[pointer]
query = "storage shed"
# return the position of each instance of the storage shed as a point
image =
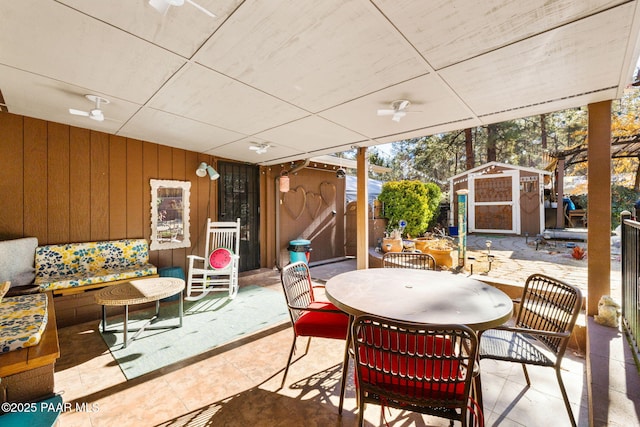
(503, 198)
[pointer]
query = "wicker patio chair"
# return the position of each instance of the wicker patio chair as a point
(416, 260)
(546, 317)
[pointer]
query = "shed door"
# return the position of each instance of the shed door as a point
(492, 203)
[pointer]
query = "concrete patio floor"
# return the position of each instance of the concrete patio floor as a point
(238, 384)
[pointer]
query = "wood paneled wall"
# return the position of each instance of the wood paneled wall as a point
(65, 184)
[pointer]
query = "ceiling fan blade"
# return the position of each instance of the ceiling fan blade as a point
(160, 5)
(397, 116)
(404, 104)
(79, 112)
(202, 9)
(386, 112)
(96, 115)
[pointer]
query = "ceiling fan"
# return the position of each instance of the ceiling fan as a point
(259, 148)
(95, 113)
(398, 110)
(163, 5)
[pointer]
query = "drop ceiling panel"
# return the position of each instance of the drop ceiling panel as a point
(308, 76)
(430, 130)
(240, 150)
(449, 31)
(312, 54)
(559, 104)
(432, 103)
(181, 29)
(176, 131)
(309, 134)
(43, 98)
(52, 40)
(210, 97)
(547, 67)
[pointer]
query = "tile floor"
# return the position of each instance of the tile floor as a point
(238, 385)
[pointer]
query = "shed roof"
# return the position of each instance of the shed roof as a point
(492, 165)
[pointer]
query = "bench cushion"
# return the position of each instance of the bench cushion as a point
(16, 261)
(78, 264)
(22, 321)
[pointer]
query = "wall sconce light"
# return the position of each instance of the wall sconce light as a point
(284, 182)
(205, 169)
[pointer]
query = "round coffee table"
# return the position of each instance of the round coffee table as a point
(139, 291)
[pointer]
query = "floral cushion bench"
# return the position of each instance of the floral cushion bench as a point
(76, 267)
(23, 319)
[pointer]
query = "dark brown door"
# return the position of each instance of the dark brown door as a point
(239, 197)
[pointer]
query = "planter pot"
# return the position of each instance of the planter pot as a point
(442, 256)
(391, 245)
(421, 243)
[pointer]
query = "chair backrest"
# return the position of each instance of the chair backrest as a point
(551, 305)
(297, 286)
(222, 235)
(415, 260)
(416, 364)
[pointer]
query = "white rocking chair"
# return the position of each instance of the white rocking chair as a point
(219, 266)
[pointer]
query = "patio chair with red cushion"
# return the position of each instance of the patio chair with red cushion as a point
(310, 318)
(416, 367)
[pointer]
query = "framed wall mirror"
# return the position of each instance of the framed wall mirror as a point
(169, 214)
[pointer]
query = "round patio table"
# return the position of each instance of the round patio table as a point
(421, 296)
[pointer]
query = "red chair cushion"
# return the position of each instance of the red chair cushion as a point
(434, 377)
(322, 324)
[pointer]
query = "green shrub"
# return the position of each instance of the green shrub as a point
(622, 199)
(412, 201)
(435, 197)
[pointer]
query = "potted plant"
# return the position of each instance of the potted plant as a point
(392, 242)
(439, 247)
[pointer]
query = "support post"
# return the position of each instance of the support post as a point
(599, 208)
(362, 210)
(560, 194)
(462, 226)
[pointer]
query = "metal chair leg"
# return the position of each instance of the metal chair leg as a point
(345, 366)
(565, 397)
(286, 370)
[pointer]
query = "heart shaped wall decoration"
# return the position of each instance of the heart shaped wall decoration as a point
(295, 201)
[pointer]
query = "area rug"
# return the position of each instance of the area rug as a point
(208, 323)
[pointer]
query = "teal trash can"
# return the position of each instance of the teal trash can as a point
(176, 272)
(299, 250)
